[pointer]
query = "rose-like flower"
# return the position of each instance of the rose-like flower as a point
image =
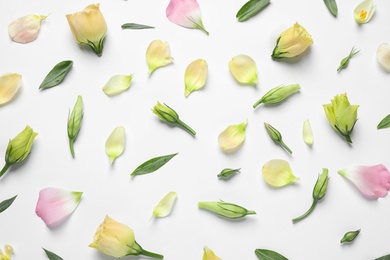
(89, 27)
(292, 42)
(364, 11)
(232, 137)
(26, 28)
(244, 69)
(208, 254)
(383, 56)
(185, 13)
(278, 173)
(373, 182)
(54, 204)
(9, 86)
(195, 76)
(8, 250)
(116, 239)
(342, 116)
(158, 55)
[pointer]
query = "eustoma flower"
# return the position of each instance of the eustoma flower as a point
(342, 116)
(9, 86)
(158, 55)
(54, 204)
(195, 76)
(8, 252)
(232, 137)
(364, 11)
(89, 27)
(383, 56)
(278, 173)
(243, 69)
(185, 13)
(26, 28)
(292, 42)
(208, 254)
(116, 239)
(373, 182)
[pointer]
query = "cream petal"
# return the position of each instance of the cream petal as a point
(9, 86)
(195, 76)
(117, 84)
(231, 139)
(208, 254)
(364, 11)
(307, 133)
(243, 69)
(115, 144)
(278, 173)
(165, 205)
(26, 28)
(383, 56)
(158, 55)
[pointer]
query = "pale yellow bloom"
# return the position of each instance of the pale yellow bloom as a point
(89, 27)
(8, 252)
(292, 42)
(208, 254)
(232, 137)
(364, 11)
(9, 86)
(383, 56)
(165, 205)
(195, 76)
(26, 28)
(158, 55)
(115, 144)
(307, 133)
(243, 69)
(117, 84)
(278, 173)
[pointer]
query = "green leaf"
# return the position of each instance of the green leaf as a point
(385, 257)
(152, 165)
(57, 74)
(250, 9)
(136, 26)
(332, 7)
(385, 123)
(6, 203)
(51, 255)
(265, 254)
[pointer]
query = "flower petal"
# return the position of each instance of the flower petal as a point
(232, 137)
(243, 69)
(208, 254)
(165, 205)
(115, 144)
(195, 76)
(364, 11)
(26, 28)
(278, 173)
(372, 181)
(307, 133)
(56, 204)
(383, 56)
(158, 55)
(117, 84)
(9, 86)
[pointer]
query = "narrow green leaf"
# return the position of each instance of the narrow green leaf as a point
(57, 74)
(250, 9)
(51, 255)
(6, 203)
(332, 7)
(152, 165)
(136, 26)
(385, 123)
(385, 257)
(265, 254)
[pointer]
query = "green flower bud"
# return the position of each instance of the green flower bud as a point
(225, 209)
(74, 122)
(19, 148)
(276, 136)
(278, 94)
(321, 185)
(350, 236)
(226, 173)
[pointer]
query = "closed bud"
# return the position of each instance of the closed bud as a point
(226, 173)
(276, 136)
(321, 185)
(74, 122)
(350, 236)
(225, 209)
(278, 94)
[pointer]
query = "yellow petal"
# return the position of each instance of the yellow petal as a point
(26, 28)
(9, 86)
(277, 173)
(364, 11)
(117, 84)
(115, 144)
(158, 55)
(307, 133)
(165, 205)
(208, 254)
(232, 137)
(243, 69)
(195, 76)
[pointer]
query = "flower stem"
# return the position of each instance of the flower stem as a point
(186, 127)
(285, 147)
(5, 168)
(151, 254)
(71, 141)
(258, 102)
(307, 213)
(251, 212)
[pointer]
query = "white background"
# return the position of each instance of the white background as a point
(109, 190)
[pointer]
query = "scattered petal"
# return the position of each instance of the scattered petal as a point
(232, 137)
(158, 55)
(307, 133)
(165, 205)
(364, 11)
(54, 204)
(26, 28)
(383, 56)
(278, 173)
(115, 144)
(244, 69)
(117, 84)
(373, 182)
(208, 254)
(195, 76)
(8, 252)
(9, 86)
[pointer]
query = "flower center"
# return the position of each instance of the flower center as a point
(363, 14)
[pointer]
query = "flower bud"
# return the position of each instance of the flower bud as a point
(74, 122)
(243, 69)
(26, 28)
(341, 115)
(225, 209)
(321, 185)
(89, 27)
(9, 86)
(350, 236)
(158, 55)
(278, 173)
(278, 94)
(226, 173)
(208, 254)
(232, 137)
(195, 76)
(276, 136)
(292, 42)
(364, 11)
(19, 148)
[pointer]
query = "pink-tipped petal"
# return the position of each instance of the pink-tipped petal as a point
(372, 181)
(56, 204)
(25, 29)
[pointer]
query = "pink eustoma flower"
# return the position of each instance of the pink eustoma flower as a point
(372, 181)
(185, 13)
(54, 204)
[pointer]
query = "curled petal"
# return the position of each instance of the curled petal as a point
(165, 205)
(307, 133)
(278, 173)
(243, 69)
(54, 204)
(364, 11)
(232, 137)
(9, 86)
(195, 76)
(158, 55)
(383, 56)
(373, 182)
(117, 84)
(208, 254)
(26, 28)
(115, 144)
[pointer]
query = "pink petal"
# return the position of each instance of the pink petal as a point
(56, 204)
(372, 181)
(25, 29)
